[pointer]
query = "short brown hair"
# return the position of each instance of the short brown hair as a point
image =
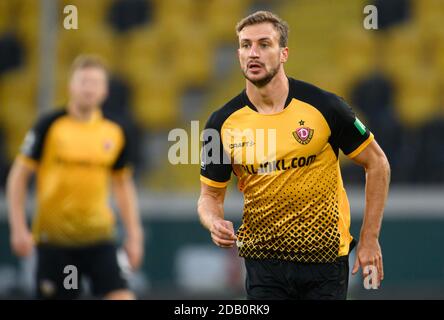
(266, 16)
(84, 61)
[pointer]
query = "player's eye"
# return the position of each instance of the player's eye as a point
(245, 45)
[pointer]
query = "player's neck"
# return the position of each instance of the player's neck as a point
(271, 97)
(83, 115)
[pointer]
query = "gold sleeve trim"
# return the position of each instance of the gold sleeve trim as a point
(126, 171)
(212, 183)
(363, 145)
(28, 162)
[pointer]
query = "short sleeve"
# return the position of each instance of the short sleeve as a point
(215, 168)
(348, 133)
(124, 158)
(34, 143)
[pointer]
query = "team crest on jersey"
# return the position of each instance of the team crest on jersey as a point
(108, 145)
(303, 135)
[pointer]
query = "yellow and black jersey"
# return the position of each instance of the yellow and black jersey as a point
(74, 161)
(295, 205)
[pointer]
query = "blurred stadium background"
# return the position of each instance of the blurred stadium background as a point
(174, 61)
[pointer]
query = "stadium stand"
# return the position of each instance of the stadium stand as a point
(163, 50)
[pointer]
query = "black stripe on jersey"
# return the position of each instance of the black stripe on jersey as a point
(35, 139)
(219, 172)
(126, 155)
(338, 114)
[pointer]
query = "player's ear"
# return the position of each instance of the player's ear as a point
(284, 54)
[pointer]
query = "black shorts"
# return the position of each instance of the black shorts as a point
(60, 270)
(284, 280)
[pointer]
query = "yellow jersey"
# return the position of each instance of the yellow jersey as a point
(295, 204)
(74, 161)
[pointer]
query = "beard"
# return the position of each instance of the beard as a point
(265, 79)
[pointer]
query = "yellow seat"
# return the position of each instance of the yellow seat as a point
(69, 45)
(61, 85)
(7, 19)
(27, 25)
(336, 39)
(221, 17)
(172, 15)
(402, 48)
(18, 85)
(99, 42)
(156, 110)
(193, 56)
(222, 92)
(356, 52)
(427, 13)
(156, 100)
(418, 96)
(138, 53)
(438, 57)
(18, 98)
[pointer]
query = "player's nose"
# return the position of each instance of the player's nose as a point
(254, 52)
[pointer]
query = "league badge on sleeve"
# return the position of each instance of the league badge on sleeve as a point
(360, 126)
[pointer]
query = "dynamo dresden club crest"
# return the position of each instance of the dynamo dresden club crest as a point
(303, 135)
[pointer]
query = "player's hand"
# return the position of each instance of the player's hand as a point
(369, 253)
(134, 249)
(22, 242)
(222, 233)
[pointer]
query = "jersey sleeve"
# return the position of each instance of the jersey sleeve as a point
(124, 158)
(33, 145)
(215, 167)
(348, 133)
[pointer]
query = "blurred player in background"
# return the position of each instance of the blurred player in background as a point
(295, 230)
(76, 153)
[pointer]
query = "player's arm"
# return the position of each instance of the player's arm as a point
(214, 177)
(377, 170)
(18, 180)
(17, 185)
(357, 142)
(210, 208)
(126, 198)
